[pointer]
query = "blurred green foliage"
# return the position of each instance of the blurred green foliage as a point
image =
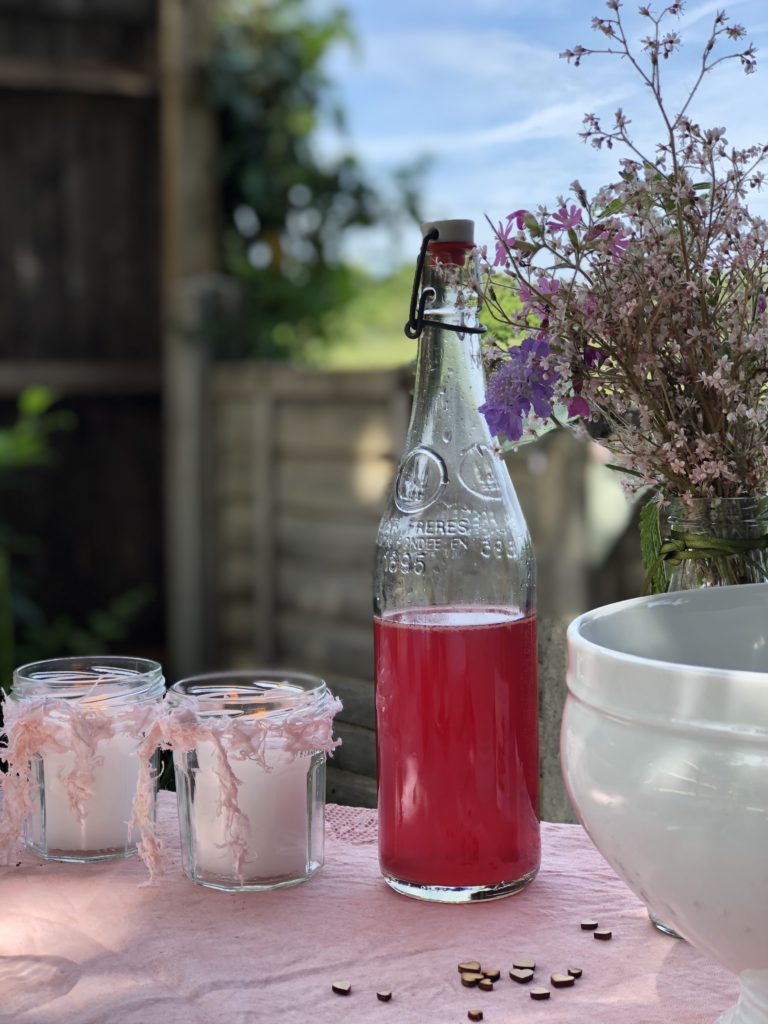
(25, 442)
(285, 209)
(367, 333)
(501, 301)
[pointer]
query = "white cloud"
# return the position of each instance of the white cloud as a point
(555, 122)
(485, 93)
(706, 10)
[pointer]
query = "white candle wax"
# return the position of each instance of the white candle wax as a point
(107, 811)
(274, 802)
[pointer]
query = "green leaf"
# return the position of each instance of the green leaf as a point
(618, 468)
(615, 206)
(34, 401)
(650, 547)
(527, 247)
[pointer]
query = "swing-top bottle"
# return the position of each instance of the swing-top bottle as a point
(454, 619)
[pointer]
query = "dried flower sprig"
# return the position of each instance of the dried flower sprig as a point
(645, 305)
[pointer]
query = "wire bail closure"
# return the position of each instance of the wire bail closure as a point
(417, 321)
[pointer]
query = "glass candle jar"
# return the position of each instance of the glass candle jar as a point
(73, 726)
(249, 753)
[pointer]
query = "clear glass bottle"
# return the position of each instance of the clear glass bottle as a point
(454, 621)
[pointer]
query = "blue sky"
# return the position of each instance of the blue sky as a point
(477, 86)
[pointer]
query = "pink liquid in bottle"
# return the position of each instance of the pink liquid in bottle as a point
(457, 745)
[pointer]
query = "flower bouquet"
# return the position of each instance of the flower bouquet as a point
(643, 308)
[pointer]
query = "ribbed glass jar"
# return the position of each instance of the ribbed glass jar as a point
(249, 755)
(84, 718)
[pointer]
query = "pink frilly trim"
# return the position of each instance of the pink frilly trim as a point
(38, 724)
(181, 729)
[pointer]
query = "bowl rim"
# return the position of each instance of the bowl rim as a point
(575, 636)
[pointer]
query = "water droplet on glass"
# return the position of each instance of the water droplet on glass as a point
(447, 435)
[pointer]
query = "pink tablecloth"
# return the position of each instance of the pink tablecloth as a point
(87, 945)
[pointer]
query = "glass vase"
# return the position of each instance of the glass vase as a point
(722, 542)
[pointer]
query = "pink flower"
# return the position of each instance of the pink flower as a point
(565, 219)
(527, 297)
(519, 218)
(505, 240)
(506, 236)
(618, 245)
(589, 305)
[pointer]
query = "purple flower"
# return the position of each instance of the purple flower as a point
(593, 357)
(579, 406)
(521, 384)
(565, 219)
(548, 285)
(530, 300)
(761, 304)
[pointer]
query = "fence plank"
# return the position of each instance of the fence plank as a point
(333, 542)
(339, 594)
(80, 223)
(80, 378)
(234, 522)
(355, 490)
(287, 382)
(328, 645)
(343, 429)
(263, 525)
(357, 697)
(348, 788)
(357, 752)
(40, 76)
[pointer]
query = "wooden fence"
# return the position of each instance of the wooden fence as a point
(299, 466)
(297, 469)
(109, 215)
(80, 296)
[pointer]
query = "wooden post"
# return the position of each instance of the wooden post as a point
(189, 236)
(265, 590)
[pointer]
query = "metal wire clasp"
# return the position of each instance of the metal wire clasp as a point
(416, 319)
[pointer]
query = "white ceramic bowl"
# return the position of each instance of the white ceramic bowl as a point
(665, 756)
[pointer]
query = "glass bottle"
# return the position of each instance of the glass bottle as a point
(454, 621)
